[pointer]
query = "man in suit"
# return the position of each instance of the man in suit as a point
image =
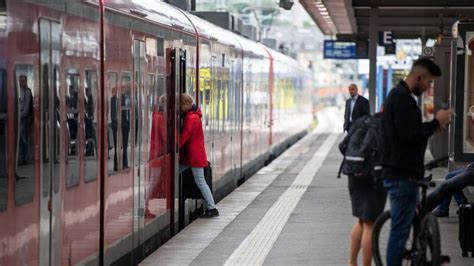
(357, 106)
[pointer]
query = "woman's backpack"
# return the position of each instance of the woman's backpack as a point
(363, 148)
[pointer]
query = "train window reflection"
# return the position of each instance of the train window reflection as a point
(90, 122)
(45, 127)
(204, 102)
(57, 130)
(112, 123)
(126, 103)
(151, 98)
(160, 46)
(218, 105)
(24, 121)
(3, 141)
(162, 106)
(157, 116)
(72, 132)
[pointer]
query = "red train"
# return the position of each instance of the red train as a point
(89, 123)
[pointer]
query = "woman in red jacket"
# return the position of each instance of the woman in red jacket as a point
(191, 145)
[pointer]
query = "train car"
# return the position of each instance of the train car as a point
(90, 120)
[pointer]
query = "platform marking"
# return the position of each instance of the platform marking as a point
(183, 248)
(256, 246)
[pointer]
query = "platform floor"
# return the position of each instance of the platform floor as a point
(292, 212)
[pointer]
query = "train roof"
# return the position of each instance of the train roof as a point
(154, 11)
(160, 12)
(208, 30)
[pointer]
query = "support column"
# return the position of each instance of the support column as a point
(373, 40)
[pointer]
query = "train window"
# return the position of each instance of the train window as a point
(3, 141)
(160, 88)
(152, 97)
(151, 47)
(160, 47)
(224, 93)
(72, 132)
(204, 99)
(218, 105)
(90, 122)
(24, 171)
(126, 104)
(162, 107)
(112, 123)
(138, 126)
(152, 101)
(158, 121)
(190, 81)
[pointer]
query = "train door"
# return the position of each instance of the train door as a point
(139, 174)
(178, 85)
(50, 223)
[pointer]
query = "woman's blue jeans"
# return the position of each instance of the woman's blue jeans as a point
(458, 196)
(200, 180)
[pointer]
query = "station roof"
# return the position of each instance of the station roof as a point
(407, 19)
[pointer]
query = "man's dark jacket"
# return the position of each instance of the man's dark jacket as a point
(405, 135)
(361, 108)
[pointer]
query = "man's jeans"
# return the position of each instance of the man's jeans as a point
(458, 196)
(403, 196)
(200, 180)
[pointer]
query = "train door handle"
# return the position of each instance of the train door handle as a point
(49, 205)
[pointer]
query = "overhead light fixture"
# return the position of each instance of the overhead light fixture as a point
(324, 12)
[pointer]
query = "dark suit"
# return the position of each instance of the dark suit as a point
(361, 108)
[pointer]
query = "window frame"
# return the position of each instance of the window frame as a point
(77, 180)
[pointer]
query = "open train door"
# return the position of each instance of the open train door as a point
(178, 85)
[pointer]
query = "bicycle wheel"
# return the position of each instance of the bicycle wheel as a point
(429, 245)
(380, 234)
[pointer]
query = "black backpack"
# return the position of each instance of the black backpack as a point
(363, 148)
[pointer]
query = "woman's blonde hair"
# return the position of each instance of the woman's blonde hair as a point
(162, 100)
(186, 99)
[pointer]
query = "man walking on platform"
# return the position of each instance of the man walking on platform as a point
(357, 106)
(405, 140)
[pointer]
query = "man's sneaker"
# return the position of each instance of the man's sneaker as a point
(210, 213)
(438, 213)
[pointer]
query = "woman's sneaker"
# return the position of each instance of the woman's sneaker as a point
(210, 213)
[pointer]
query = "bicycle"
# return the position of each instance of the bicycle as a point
(424, 233)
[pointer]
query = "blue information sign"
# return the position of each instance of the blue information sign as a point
(340, 50)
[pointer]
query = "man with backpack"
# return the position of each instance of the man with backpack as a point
(362, 148)
(405, 140)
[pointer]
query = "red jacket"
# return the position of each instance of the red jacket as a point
(158, 135)
(191, 140)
